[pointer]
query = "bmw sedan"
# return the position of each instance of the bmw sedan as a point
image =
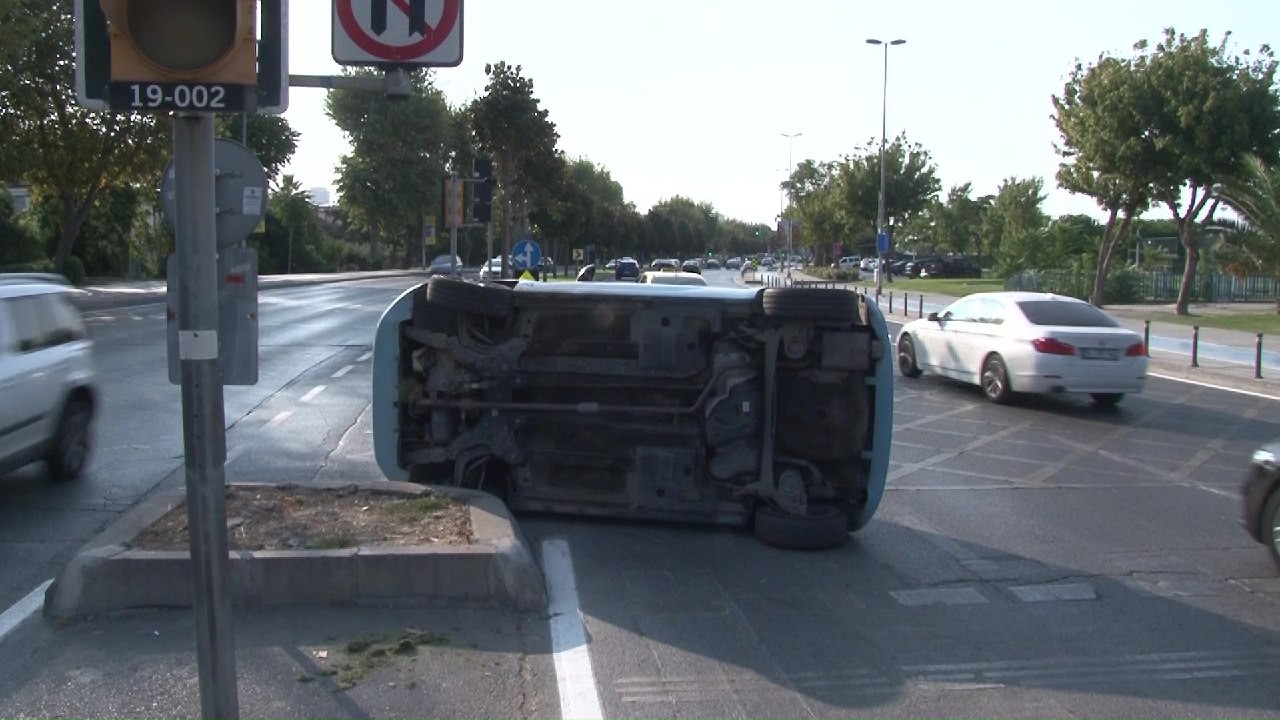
(1262, 499)
(1023, 342)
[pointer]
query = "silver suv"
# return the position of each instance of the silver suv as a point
(46, 377)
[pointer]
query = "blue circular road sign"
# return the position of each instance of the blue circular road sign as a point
(526, 254)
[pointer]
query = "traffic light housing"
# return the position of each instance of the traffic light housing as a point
(482, 192)
(183, 55)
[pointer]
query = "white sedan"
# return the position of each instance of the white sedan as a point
(1009, 342)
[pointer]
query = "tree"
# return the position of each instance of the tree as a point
(293, 209)
(46, 140)
(1254, 193)
(400, 149)
(1015, 224)
(511, 127)
(270, 137)
(1165, 127)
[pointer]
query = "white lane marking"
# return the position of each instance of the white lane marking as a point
(579, 697)
(26, 607)
(364, 357)
(343, 371)
(278, 419)
(1250, 393)
(312, 393)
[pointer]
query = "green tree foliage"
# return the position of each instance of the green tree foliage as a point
(1166, 126)
(680, 227)
(911, 183)
(400, 150)
(1254, 193)
(1015, 225)
(953, 226)
(18, 245)
(61, 150)
(510, 126)
(270, 137)
(815, 202)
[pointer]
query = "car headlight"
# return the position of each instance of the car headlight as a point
(1265, 458)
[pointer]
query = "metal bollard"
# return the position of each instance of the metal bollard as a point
(905, 300)
(920, 306)
(1195, 346)
(1257, 359)
(1146, 337)
(890, 302)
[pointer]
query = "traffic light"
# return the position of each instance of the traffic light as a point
(757, 231)
(482, 193)
(176, 55)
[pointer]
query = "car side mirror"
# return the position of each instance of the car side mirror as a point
(933, 316)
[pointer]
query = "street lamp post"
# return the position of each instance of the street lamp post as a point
(884, 116)
(791, 138)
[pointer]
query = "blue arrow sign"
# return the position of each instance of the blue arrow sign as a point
(526, 254)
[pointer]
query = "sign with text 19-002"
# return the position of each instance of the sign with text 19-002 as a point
(526, 254)
(426, 33)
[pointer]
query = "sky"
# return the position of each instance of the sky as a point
(693, 97)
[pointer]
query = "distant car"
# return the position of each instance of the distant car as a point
(733, 263)
(1262, 499)
(671, 277)
(1011, 342)
(440, 265)
(913, 268)
(491, 270)
(665, 264)
(713, 264)
(951, 267)
(47, 379)
(848, 262)
(691, 266)
(626, 269)
(612, 264)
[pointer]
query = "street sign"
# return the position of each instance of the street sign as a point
(579, 254)
(240, 192)
(93, 58)
(882, 243)
(426, 33)
(526, 254)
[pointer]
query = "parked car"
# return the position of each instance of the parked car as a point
(730, 405)
(913, 268)
(441, 265)
(1262, 499)
(491, 270)
(951, 267)
(1010, 342)
(733, 263)
(612, 264)
(712, 264)
(672, 277)
(691, 266)
(848, 262)
(665, 263)
(626, 269)
(47, 379)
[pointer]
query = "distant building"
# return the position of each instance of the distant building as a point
(319, 196)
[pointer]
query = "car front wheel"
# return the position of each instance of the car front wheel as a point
(907, 357)
(995, 380)
(1271, 525)
(821, 527)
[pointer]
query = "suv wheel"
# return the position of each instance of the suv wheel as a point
(69, 452)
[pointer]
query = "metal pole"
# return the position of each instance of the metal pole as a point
(920, 305)
(1257, 358)
(1195, 346)
(1146, 337)
(453, 223)
(203, 415)
(884, 124)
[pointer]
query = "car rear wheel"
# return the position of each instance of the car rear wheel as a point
(821, 304)
(820, 528)
(995, 379)
(1107, 399)
(69, 452)
(1271, 525)
(489, 300)
(907, 357)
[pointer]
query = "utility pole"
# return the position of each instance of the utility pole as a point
(881, 235)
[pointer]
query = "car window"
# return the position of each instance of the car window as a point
(965, 310)
(35, 322)
(990, 311)
(1063, 313)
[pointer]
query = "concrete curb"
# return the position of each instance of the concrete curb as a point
(496, 571)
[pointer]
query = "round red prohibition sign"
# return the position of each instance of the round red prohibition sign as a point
(431, 39)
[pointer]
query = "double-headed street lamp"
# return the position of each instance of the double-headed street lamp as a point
(791, 141)
(884, 115)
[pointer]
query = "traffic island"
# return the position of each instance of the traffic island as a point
(496, 569)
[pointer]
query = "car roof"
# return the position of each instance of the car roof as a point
(1023, 296)
(20, 284)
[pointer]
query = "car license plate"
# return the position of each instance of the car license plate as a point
(1099, 353)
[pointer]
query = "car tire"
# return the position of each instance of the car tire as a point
(821, 304)
(1107, 399)
(822, 528)
(486, 299)
(995, 379)
(69, 452)
(907, 357)
(1270, 520)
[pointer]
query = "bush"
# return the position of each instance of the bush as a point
(75, 270)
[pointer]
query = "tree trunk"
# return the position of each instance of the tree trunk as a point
(1110, 238)
(73, 217)
(375, 252)
(1188, 273)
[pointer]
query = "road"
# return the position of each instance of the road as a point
(1047, 558)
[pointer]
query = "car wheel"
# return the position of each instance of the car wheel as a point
(487, 299)
(995, 380)
(69, 452)
(1271, 525)
(821, 528)
(907, 357)
(1107, 399)
(821, 304)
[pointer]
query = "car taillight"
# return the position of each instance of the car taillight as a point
(1136, 350)
(1053, 346)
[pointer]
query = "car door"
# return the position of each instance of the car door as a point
(983, 335)
(28, 383)
(955, 338)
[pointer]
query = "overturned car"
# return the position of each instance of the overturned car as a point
(770, 408)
